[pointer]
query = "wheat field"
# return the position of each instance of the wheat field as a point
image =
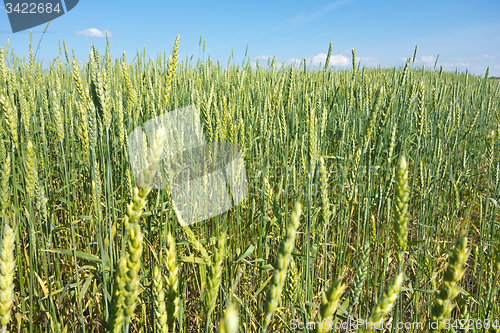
(372, 198)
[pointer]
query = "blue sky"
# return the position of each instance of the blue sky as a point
(465, 34)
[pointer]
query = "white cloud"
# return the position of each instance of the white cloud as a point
(488, 56)
(335, 60)
(320, 60)
(93, 32)
(339, 60)
(462, 59)
(428, 59)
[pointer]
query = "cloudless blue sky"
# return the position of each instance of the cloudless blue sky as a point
(465, 34)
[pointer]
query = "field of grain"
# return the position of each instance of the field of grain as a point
(372, 197)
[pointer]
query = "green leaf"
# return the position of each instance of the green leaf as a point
(86, 285)
(195, 260)
(494, 202)
(256, 260)
(313, 305)
(69, 203)
(247, 252)
(266, 267)
(262, 286)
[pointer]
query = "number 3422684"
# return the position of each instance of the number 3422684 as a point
(32, 8)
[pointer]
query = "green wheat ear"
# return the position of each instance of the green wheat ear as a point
(10, 117)
(172, 68)
(127, 284)
(401, 214)
(385, 304)
(327, 62)
(172, 282)
(133, 256)
(360, 276)
(449, 287)
(215, 275)
(353, 60)
(293, 283)
(31, 170)
(7, 267)
(159, 301)
(116, 317)
(4, 185)
(329, 303)
(230, 322)
(281, 266)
